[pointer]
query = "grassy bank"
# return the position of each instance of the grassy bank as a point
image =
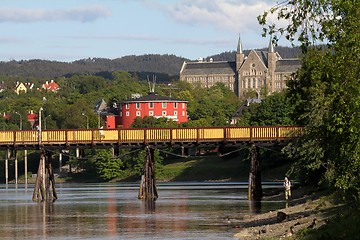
(211, 168)
(194, 168)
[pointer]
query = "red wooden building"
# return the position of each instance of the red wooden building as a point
(152, 105)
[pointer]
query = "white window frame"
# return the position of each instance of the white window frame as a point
(127, 113)
(138, 113)
(151, 113)
(163, 113)
(163, 104)
(138, 105)
(151, 105)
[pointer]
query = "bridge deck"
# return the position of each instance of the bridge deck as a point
(103, 138)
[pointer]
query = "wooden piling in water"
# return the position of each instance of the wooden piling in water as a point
(255, 192)
(45, 181)
(148, 189)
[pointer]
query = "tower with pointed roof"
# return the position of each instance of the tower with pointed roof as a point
(271, 66)
(239, 59)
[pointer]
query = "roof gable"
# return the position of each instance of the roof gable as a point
(260, 55)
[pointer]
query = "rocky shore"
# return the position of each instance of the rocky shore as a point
(308, 209)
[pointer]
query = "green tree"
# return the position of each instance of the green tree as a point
(327, 86)
(140, 159)
(151, 122)
(107, 166)
(273, 110)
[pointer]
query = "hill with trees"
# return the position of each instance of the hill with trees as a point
(165, 67)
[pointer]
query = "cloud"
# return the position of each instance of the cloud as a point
(230, 15)
(79, 14)
(154, 38)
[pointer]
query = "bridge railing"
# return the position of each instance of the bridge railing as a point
(150, 135)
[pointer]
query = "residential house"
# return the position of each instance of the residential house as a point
(239, 112)
(51, 86)
(20, 88)
(107, 114)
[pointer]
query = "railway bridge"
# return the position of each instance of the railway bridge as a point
(47, 141)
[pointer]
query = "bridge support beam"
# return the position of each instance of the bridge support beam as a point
(7, 166)
(45, 182)
(148, 189)
(255, 192)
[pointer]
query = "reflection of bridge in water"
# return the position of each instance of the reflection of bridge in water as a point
(46, 140)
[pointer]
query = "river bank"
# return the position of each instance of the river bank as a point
(308, 211)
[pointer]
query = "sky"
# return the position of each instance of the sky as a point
(69, 30)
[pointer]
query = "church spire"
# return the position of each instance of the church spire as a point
(239, 47)
(271, 46)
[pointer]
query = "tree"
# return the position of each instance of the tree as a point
(107, 166)
(273, 110)
(327, 86)
(151, 122)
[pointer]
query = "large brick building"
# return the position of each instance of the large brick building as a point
(254, 72)
(152, 105)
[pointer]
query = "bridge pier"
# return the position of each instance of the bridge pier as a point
(45, 182)
(148, 189)
(255, 192)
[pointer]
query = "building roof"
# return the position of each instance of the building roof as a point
(51, 86)
(263, 55)
(288, 65)
(100, 105)
(245, 104)
(205, 68)
(153, 97)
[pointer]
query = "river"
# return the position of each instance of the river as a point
(112, 211)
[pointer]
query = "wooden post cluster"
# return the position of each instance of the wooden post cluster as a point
(255, 192)
(45, 182)
(148, 189)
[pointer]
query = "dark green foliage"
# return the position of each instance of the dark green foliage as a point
(169, 65)
(210, 107)
(151, 122)
(107, 166)
(273, 110)
(326, 88)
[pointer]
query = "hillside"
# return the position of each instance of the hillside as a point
(167, 65)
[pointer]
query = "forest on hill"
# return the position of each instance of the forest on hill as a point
(165, 67)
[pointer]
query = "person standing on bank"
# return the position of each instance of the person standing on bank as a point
(287, 187)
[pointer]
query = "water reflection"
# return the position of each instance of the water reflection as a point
(112, 211)
(149, 206)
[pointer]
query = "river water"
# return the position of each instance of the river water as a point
(112, 211)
